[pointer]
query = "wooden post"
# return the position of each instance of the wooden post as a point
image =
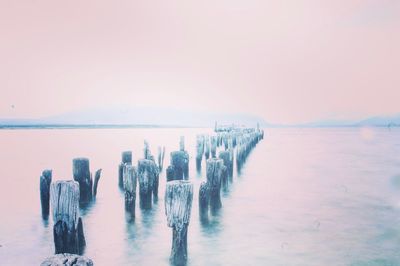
(148, 182)
(178, 205)
(180, 161)
(204, 201)
(82, 175)
(96, 182)
(161, 155)
(227, 157)
(130, 182)
(213, 146)
(207, 147)
(182, 143)
(68, 229)
(146, 150)
(126, 159)
(199, 151)
(214, 175)
(45, 181)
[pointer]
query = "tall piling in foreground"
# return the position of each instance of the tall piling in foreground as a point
(68, 228)
(45, 181)
(126, 159)
(67, 260)
(215, 168)
(130, 183)
(178, 205)
(148, 182)
(82, 175)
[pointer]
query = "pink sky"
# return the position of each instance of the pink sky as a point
(287, 61)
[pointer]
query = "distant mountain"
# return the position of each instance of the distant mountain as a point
(141, 116)
(381, 121)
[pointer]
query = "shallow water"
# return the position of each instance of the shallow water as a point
(304, 197)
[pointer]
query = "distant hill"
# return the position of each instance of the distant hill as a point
(169, 117)
(140, 116)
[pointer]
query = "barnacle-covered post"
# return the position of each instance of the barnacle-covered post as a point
(82, 175)
(68, 228)
(227, 158)
(178, 205)
(45, 181)
(126, 159)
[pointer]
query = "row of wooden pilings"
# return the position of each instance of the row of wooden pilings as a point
(65, 197)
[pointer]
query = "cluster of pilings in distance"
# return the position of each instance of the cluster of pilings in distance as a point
(219, 169)
(64, 198)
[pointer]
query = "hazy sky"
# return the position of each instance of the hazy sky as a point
(287, 61)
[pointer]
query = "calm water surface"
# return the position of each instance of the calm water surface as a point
(304, 197)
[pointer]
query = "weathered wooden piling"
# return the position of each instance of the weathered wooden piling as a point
(126, 159)
(204, 200)
(178, 205)
(180, 163)
(214, 175)
(148, 182)
(161, 155)
(96, 182)
(82, 175)
(67, 259)
(207, 147)
(130, 182)
(68, 229)
(213, 146)
(227, 157)
(199, 151)
(45, 181)
(182, 143)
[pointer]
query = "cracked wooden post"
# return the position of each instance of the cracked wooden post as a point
(130, 182)
(204, 201)
(214, 174)
(68, 229)
(82, 175)
(45, 181)
(178, 205)
(199, 151)
(148, 182)
(126, 159)
(180, 163)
